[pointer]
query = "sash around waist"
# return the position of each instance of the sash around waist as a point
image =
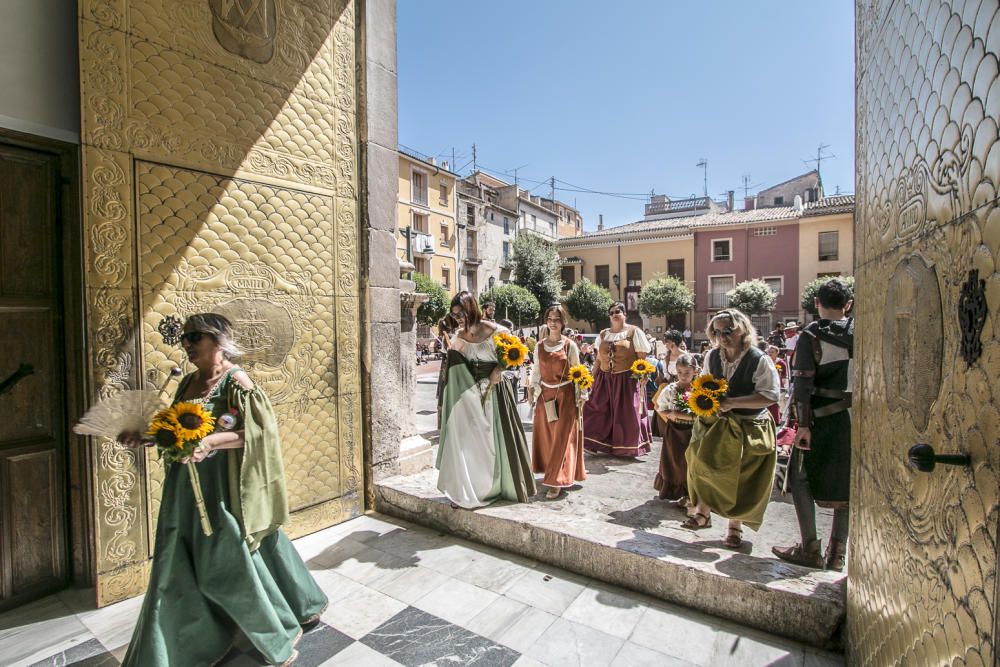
(479, 369)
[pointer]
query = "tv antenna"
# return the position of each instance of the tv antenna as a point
(819, 160)
(703, 164)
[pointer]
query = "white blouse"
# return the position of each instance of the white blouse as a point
(765, 376)
(665, 401)
(639, 340)
(572, 355)
(482, 351)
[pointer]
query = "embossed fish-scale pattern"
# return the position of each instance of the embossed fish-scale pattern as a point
(923, 586)
(309, 441)
(194, 224)
(302, 37)
(170, 89)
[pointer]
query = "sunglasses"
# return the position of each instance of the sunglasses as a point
(728, 331)
(193, 337)
(617, 311)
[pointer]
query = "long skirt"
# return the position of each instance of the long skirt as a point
(731, 464)
(671, 480)
(203, 589)
(828, 460)
(483, 452)
(556, 446)
(614, 419)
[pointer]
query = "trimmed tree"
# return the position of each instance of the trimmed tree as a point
(513, 303)
(753, 297)
(536, 268)
(436, 306)
(588, 302)
(809, 292)
(664, 296)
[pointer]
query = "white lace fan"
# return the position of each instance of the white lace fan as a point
(129, 410)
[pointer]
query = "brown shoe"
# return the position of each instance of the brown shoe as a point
(836, 553)
(799, 555)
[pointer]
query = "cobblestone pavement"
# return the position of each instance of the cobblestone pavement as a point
(405, 595)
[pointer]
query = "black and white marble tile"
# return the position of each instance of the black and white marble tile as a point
(414, 637)
(91, 653)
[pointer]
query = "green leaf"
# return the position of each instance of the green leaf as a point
(664, 296)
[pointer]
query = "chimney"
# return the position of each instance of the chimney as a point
(444, 164)
(750, 204)
(730, 201)
(600, 222)
(432, 161)
(797, 204)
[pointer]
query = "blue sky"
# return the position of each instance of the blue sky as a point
(627, 97)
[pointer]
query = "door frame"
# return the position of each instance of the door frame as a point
(79, 492)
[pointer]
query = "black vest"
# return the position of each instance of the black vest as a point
(741, 384)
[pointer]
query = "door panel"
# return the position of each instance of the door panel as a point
(33, 559)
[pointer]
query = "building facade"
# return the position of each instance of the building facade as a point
(570, 221)
(429, 235)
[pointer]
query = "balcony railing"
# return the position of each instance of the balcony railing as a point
(676, 205)
(718, 300)
(471, 255)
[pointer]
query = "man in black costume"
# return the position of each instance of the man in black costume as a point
(820, 467)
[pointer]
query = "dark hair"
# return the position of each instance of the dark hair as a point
(488, 303)
(506, 323)
(617, 304)
(674, 336)
(467, 303)
(834, 294)
(558, 308)
(690, 360)
(447, 324)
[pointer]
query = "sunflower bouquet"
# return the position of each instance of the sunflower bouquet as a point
(706, 393)
(177, 431)
(511, 352)
(581, 377)
(641, 369)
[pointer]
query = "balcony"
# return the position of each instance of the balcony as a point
(471, 256)
(718, 300)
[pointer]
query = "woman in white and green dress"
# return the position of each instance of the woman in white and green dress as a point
(483, 453)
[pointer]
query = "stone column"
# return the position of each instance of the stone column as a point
(414, 450)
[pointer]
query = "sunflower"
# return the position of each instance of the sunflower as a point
(703, 403)
(586, 384)
(514, 355)
(506, 340)
(711, 384)
(194, 422)
(577, 373)
(641, 368)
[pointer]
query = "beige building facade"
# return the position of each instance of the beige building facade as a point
(428, 231)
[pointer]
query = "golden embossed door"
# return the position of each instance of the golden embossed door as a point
(922, 584)
(219, 173)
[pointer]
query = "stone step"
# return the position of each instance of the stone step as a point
(680, 566)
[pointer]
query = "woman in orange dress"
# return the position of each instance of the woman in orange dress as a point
(556, 441)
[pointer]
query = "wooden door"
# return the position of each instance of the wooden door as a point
(32, 412)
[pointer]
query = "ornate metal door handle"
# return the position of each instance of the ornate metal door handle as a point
(23, 371)
(923, 458)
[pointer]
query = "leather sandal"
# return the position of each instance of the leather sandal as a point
(697, 521)
(552, 494)
(800, 555)
(733, 538)
(836, 554)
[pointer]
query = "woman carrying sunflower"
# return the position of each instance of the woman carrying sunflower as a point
(731, 458)
(483, 452)
(246, 574)
(556, 442)
(615, 421)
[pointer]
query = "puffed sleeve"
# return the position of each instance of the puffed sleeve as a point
(256, 472)
(765, 379)
(665, 401)
(573, 354)
(641, 343)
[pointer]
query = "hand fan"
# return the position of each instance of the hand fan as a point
(129, 410)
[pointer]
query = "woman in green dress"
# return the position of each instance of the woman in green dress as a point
(246, 576)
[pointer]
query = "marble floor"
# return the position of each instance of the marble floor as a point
(401, 594)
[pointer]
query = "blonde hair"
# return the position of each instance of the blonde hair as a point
(741, 323)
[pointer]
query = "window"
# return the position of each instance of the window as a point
(421, 265)
(470, 245)
(779, 201)
(444, 233)
(506, 225)
(491, 216)
(765, 231)
(446, 278)
(418, 185)
(722, 250)
(506, 252)
(443, 196)
(633, 274)
(829, 243)
(470, 215)
(470, 281)
(718, 286)
(776, 283)
(675, 268)
(568, 277)
(420, 223)
(602, 276)
(813, 194)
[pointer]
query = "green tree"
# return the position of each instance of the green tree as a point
(513, 303)
(434, 308)
(588, 302)
(809, 292)
(753, 297)
(536, 268)
(664, 296)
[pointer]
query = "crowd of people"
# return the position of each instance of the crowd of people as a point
(785, 410)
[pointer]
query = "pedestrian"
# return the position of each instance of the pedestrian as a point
(687, 337)
(489, 308)
(483, 452)
(820, 467)
(671, 480)
(615, 421)
(245, 577)
(556, 440)
(672, 341)
(731, 458)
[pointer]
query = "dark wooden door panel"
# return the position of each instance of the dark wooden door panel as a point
(26, 337)
(27, 186)
(36, 503)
